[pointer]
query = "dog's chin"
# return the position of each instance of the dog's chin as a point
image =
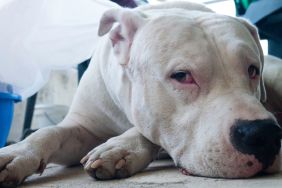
(236, 173)
(245, 166)
(225, 175)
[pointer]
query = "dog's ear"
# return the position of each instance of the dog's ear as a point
(129, 21)
(254, 32)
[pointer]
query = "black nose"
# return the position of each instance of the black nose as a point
(261, 138)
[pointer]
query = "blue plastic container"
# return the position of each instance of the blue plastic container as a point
(7, 101)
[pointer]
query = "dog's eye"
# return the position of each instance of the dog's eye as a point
(253, 71)
(183, 77)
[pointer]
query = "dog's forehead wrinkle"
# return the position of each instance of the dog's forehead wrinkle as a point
(224, 76)
(246, 54)
(208, 50)
(242, 42)
(161, 26)
(232, 54)
(170, 43)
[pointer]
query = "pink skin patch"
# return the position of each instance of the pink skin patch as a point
(184, 172)
(188, 80)
(183, 77)
(183, 80)
(253, 72)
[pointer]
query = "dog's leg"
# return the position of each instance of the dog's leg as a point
(54, 144)
(120, 156)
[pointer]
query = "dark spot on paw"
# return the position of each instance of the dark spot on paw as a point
(122, 173)
(249, 163)
(41, 167)
(99, 174)
(9, 184)
(103, 174)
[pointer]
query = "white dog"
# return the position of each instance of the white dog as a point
(176, 76)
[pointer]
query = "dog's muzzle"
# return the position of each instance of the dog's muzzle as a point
(261, 138)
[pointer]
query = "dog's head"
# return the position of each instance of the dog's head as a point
(196, 89)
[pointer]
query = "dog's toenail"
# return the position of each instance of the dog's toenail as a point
(83, 160)
(96, 163)
(120, 164)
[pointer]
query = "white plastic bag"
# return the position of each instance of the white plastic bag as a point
(39, 35)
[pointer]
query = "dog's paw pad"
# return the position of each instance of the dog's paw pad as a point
(107, 164)
(102, 174)
(119, 157)
(17, 162)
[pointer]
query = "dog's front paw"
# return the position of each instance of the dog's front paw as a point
(16, 163)
(119, 157)
(107, 162)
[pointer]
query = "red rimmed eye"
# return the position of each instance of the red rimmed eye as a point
(183, 77)
(253, 72)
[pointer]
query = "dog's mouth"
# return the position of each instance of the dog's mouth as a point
(245, 167)
(263, 171)
(225, 159)
(185, 172)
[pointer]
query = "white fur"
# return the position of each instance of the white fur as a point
(127, 106)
